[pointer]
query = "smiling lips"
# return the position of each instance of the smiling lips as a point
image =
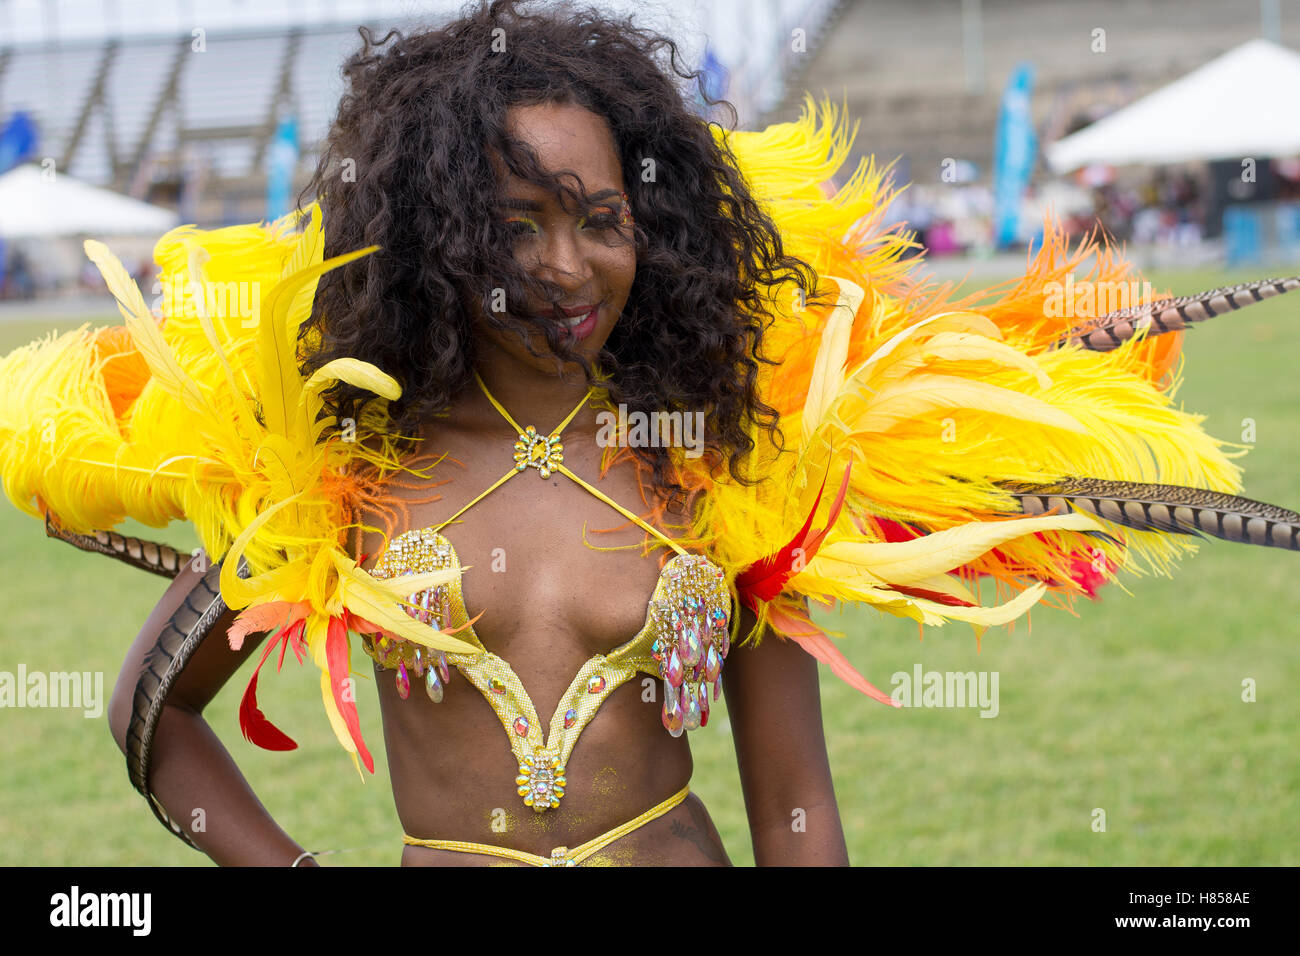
(581, 320)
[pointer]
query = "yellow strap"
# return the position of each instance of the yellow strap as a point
(560, 856)
(560, 467)
(495, 485)
(578, 854)
(621, 510)
(515, 425)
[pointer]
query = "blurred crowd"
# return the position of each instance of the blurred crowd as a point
(1174, 207)
(41, 267)
(1167, 208)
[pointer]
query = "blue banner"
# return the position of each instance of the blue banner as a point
(1015, 150)
(281, 159)
(17, 142)
(716, 79)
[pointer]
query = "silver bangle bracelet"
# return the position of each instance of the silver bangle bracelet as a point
(303, 855)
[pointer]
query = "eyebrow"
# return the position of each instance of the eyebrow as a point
(534, 205)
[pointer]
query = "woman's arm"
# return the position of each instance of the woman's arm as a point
(774, 703)
(190, 770)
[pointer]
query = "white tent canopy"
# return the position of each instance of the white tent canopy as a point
(1242, 104)
(36, 205)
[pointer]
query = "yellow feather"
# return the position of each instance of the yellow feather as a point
(908, 562)
(337, 723)
(282, 312)
(948, 321)
(371, 598)
(965, 347)
(198, 255)
(828, 368)
(354, 372)
(145, 332)
(921, 394)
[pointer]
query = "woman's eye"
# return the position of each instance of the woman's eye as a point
(518, 226)
(602, 218)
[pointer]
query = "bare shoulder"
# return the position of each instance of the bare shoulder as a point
(393, 504)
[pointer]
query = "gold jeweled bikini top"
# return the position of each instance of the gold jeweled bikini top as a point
(684, 640)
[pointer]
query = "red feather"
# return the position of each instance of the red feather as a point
(766, 578)
(1082, 569)
(336, 653)
(296, 631)
(893, 531)
(937, 596)
(797, 626)
(258, 730)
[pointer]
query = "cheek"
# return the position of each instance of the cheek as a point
(620, 269)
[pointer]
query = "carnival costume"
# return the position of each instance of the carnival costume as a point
(927, 443)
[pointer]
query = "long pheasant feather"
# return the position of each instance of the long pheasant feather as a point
(1171, 508)
(1173, 315)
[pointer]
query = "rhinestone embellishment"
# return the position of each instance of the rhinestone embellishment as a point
(692, 641)
(541, 781)
(409, 553)
(534, 450)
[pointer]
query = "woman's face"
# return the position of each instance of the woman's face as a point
(587, 253)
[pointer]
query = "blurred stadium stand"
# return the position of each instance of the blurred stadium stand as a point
(149, 116)
(142, 115)
(902, 67)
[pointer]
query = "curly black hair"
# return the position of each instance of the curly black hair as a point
(414, 129)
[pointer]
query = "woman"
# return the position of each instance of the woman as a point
(525, 225)
(673, 326)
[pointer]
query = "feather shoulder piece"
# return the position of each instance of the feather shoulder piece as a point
(927, 441)
(200, 413)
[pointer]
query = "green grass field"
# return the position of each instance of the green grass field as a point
(1134, 707)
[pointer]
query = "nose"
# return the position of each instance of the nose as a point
(565, 262)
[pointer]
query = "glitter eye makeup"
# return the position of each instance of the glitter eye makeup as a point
(521, 219)
(607, 216)
(602, 217)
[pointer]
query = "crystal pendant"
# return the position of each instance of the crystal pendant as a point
(433, 686)
(717, 687)
(443, 672)
(690, 707)
(704, 705)
(694, 649)
(672, 711)
(674, 671)
(712, 665)
(403, 681)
